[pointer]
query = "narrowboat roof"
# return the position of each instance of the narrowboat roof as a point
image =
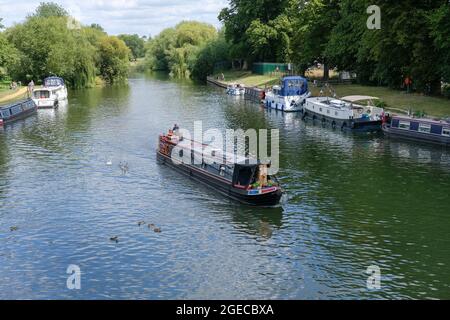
(430, 121)
(359, 98)
(15, 103)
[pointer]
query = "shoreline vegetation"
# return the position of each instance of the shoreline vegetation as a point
(411, 52)
(50, 42)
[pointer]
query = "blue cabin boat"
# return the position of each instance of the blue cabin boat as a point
(289, 96)
(16, 110)
(427, 130)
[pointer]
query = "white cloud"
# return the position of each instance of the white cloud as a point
(143, 17)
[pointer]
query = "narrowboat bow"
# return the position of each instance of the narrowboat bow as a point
(242, 181)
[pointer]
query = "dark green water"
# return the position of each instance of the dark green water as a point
(353, 201)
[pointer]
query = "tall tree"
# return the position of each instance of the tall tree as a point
(114, 57)
(135, 43)
(314, 24)
(255, 29)
(50, 9)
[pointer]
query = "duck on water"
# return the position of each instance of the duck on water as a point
(240, 180)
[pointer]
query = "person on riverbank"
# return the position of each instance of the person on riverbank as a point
(30, 88)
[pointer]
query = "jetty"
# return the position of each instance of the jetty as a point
(251, 93)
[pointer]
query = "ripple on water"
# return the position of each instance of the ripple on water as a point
(353, 201)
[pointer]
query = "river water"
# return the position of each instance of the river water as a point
(353, 201)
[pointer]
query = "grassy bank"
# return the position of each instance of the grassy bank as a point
(432, 106)
(7, 95)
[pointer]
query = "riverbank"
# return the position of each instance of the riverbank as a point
(11, 95)
(394, 99)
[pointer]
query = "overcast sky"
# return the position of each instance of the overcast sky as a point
(144, 17)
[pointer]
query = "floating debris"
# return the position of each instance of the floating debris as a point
(109, 162)
(13, 228)
(115, 239)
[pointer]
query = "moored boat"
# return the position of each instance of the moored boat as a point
(17, 110)
(289, 96)
(242, 181)
(419, 129)
(53, 91)
(345, 113)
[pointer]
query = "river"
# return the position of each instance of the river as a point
(353, 201)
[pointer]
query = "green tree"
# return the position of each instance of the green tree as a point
(176, 49)
(255, 29)
(50, 9)
(314, 24)
(8, 55)
(135, 43)
(212, 53)
(114, 59)
(440, 33)
(48, 47)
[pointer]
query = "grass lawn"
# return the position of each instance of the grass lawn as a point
(432, 106)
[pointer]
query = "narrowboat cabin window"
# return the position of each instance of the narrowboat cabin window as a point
(16, 109)
(6, 113)
(425, 128)
(404, 125)
(446, 132)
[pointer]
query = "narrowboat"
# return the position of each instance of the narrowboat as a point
(239, 180)
(53, 91)
(345, 113)
(419, 129)
(289, 96)
(16, 111)
(236, 89)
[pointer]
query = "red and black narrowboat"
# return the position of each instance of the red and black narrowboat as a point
(243, 181)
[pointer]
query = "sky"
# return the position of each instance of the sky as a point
(144, 17)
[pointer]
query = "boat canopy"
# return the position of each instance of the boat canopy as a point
(243, 174)
(53, 82)
(359, 98)
(293, 86)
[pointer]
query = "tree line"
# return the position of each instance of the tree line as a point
(50, 42)
(413, 42)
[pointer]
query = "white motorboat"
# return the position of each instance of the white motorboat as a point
(290, 96)
(49, 96)
(345, 113)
